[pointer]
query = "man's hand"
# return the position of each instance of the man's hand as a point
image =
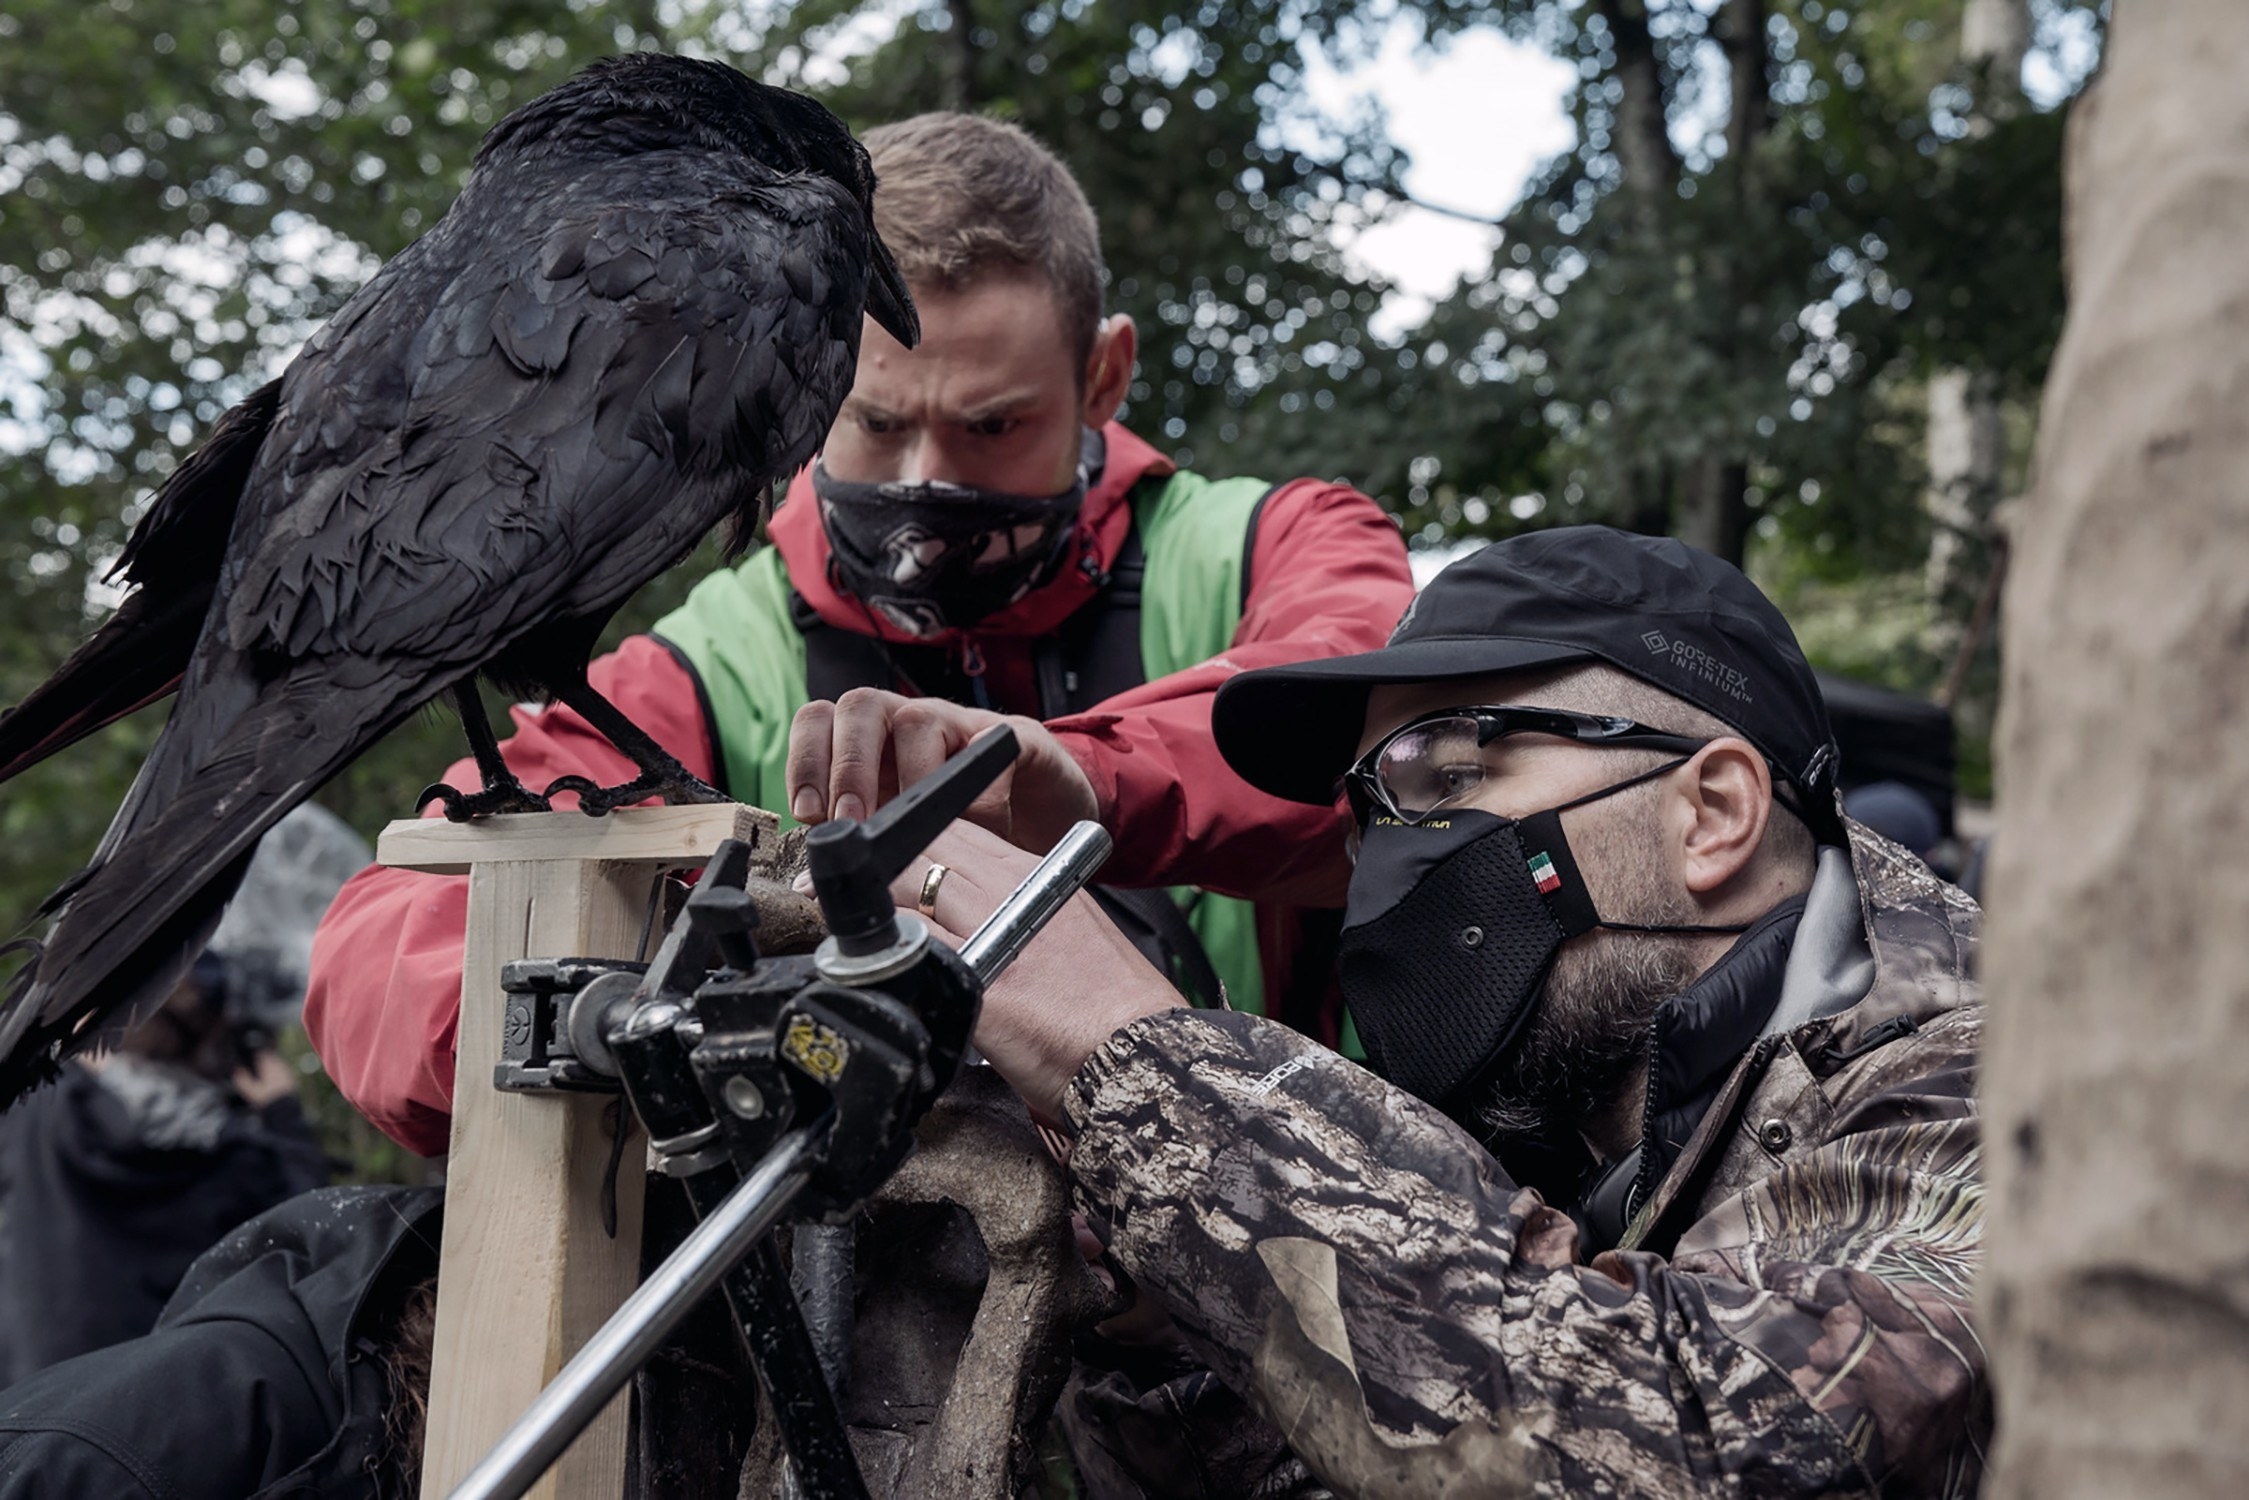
(848, 757)
(268, 1078)
(1078, 981)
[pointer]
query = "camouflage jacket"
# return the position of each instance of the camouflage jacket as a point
(1415, 1324)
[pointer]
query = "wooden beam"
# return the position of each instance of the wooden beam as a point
(667, 837)
(526, 1272)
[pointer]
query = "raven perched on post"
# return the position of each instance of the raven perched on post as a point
(643, 309)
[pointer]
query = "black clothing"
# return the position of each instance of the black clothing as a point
(260, 1381)
(113, 1184)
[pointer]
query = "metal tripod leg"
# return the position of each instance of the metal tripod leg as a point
(598, 1371)
(803, 1406)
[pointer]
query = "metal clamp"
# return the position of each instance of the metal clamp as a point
(540, 1049)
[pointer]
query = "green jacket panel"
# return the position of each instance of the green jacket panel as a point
(734, 629)
(1195, 535)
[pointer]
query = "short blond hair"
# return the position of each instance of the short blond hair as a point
(959, 198)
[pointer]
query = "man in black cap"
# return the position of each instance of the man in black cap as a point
(1612, 949)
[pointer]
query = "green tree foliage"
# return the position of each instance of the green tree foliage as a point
(1775, 220)
(1708, 316)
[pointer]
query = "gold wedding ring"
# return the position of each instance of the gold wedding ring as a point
(927, 905)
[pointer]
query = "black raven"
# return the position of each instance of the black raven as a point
(642, 310)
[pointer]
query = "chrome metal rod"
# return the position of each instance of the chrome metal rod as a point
(1059, 876)
(622, 1345)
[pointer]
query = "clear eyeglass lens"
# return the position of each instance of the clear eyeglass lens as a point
(1431, 764)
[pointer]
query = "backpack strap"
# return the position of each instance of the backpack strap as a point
(1153, 922)
(1096, 653)
(836, 661)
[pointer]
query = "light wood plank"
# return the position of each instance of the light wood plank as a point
(525, 1272)
(668, 836)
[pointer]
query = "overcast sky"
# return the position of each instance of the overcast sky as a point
(1480, 116)
(1477, 118)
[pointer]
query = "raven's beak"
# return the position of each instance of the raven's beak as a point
(888, 301)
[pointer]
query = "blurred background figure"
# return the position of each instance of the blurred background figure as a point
(138, 1160)
(116, 1178)
(1900, 768)
(1898, 813)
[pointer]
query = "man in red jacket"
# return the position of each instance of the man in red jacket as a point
(979, 542)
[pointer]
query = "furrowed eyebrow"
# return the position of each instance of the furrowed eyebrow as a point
(1012, 404)
(855, 406)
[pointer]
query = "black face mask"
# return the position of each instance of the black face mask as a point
(1448, 933)
(930, 556)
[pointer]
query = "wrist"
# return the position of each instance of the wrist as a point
(1068, 1057)
(1100, 786)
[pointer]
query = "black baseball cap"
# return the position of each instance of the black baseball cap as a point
(1667, 613)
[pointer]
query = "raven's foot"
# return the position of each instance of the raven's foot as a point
(674, 787)
(506, 795)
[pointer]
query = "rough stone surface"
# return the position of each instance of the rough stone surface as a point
(2116, 1295)
(969, 1284)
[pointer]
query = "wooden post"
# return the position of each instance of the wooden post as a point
(525, 1271)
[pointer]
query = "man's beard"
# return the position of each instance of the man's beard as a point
(1589, 1027)
(1587, 1031)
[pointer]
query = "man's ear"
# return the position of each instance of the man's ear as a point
(1726, 797)
(1108, 369)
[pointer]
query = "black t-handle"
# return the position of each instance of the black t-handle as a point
(853, 863)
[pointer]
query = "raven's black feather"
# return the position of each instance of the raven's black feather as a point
(643, 309)
(172, 562)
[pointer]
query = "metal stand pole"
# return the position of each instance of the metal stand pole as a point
(599, 1371)
(1058, 877)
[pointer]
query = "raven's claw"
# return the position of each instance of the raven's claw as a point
(598, 801)
(509, 796)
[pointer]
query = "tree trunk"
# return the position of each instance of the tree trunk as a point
(1749, 109)
(1967, 446)
(1997, 33)
(1643, 128)
(1716, 516)
(960, 57)
(2114, 1297)
(1717, 513)
(1648, 498)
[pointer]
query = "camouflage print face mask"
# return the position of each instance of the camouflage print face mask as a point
(929, 556)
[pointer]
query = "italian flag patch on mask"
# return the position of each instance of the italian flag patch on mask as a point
(1544, 876)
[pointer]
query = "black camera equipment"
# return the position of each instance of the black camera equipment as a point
(770, 1087)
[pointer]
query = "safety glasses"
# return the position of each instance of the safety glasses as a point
(1432, 762)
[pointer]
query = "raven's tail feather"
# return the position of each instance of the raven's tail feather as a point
(139, 914)
(32, 1048)
(38, 1064)
(138, 656)
(172, 559)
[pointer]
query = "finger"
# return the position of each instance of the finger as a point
(922, 735)
(857, 745)
(980, 872)
(957, 899)
(805, 773)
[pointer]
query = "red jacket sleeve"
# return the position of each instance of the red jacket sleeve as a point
(1328, 577)
(384, 998)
